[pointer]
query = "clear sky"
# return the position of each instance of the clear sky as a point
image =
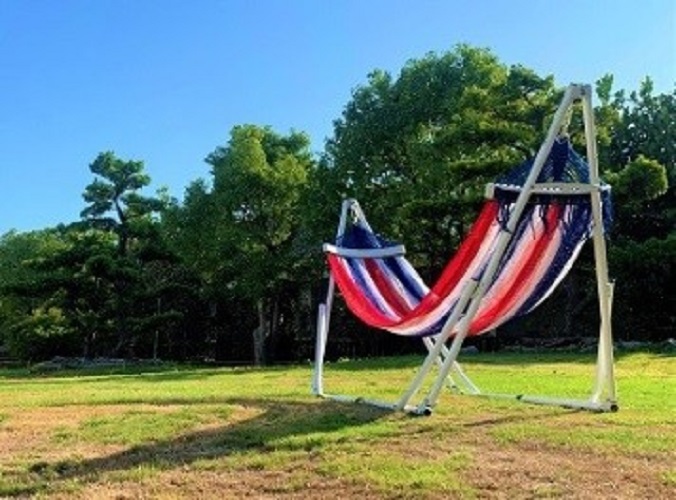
(164, 81)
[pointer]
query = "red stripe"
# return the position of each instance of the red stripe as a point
(354, 298)
(514, 284)
(456, 267)
(387, 289)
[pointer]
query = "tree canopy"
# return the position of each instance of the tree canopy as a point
(420, 147)
(233, 271)
(253, 214)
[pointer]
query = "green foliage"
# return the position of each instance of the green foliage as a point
(640, 180)
(642, 153)
(642, 158)
(116, 206)
(258, 182)
(185, 226)
(608, 118)
(645, 298)
(116, 189)
(648, 128)
(639, 190)
(240, 236)
(417, 150)
(151, 276)
(32, 321)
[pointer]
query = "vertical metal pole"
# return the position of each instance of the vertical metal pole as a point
(605, 363)
(320, 347)
(572, 93)
(324, 311)
(604, 359)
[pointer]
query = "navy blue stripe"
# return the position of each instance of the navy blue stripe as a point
(355, 271)
(575, 230)
(520, 231)
(409, 282)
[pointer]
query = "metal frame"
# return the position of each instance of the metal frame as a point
(603, 397)
(562, 188)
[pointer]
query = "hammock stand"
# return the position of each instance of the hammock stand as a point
(463, 309)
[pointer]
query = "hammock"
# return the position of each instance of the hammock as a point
(383, 289)
(523, 243)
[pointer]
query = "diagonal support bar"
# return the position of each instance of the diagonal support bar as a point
(457, 326)
(461, 328)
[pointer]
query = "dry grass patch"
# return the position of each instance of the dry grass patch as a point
(528, 471)
(256, 433)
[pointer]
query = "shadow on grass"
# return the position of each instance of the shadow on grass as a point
(280, 426)
(546, 415)
(276, 428)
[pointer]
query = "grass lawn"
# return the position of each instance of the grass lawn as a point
(232, 433)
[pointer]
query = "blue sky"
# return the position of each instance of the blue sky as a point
(165, 81)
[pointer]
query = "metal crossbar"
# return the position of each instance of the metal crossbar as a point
(456, 326)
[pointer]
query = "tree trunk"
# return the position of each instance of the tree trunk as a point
(259, 334)
(122, 348)
(271, 344)
(571, 294)
(121, 286)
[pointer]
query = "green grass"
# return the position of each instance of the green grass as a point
(171, 432)
(670, 477)
(397, 473)
(138, 427)
(610, 438)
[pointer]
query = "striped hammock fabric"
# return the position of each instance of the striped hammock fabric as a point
(387, 293)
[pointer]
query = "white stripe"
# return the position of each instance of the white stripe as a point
(419, 323)
(374, 292)
(564, 271)
(533, 231)
(397, 285)
(533, 279)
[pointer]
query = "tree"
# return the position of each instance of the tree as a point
(417, 150)
(78, 282)
(258, 181)
(52, 303)
(635, 188)
(648, 137)
(115, 205)
(641, 156)
(240, 234)
(22, 327)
